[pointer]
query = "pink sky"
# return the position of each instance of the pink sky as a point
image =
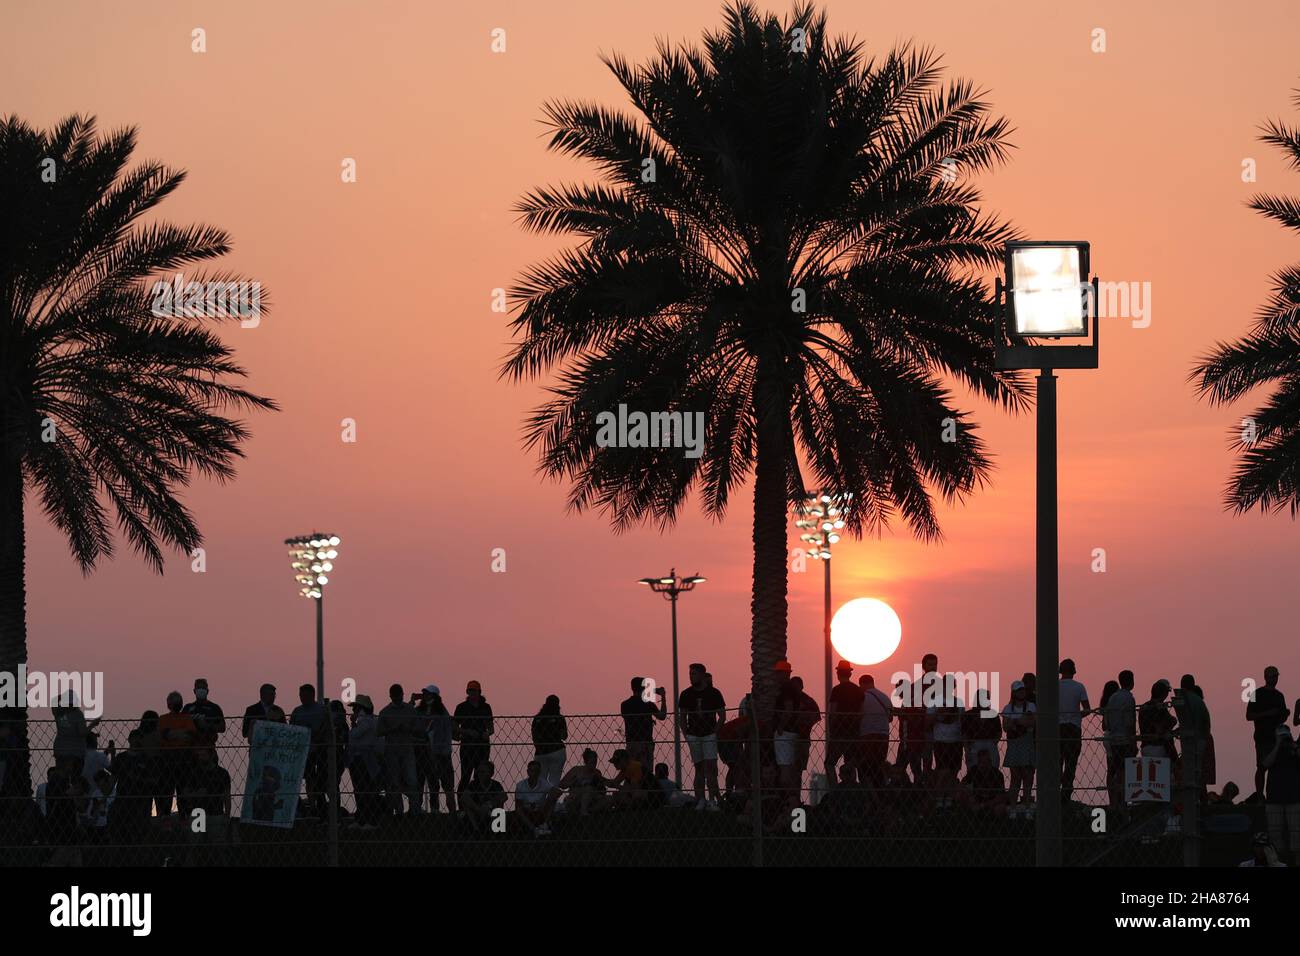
(381, 294)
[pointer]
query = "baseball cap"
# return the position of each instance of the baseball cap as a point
(782, 665)
(363, 700)
(844, 666)
(473, 685)
(1017, 685)
(431, 689)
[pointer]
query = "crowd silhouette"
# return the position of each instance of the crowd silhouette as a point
(414, 756)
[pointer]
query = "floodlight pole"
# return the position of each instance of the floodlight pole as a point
(1047, 632)
(826, 641)
(320, 647)
(1017, 350)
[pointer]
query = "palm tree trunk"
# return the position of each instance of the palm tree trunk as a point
(770, 586)
(13, 617)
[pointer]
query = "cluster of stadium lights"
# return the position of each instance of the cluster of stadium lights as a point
(313, 556)
(821, 518)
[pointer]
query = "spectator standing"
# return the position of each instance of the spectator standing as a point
(1282, 794)
(177, 735)
(209, 720)
(396, 726)
(1074, 704)
(472, 726)
(843, 721)
(311, 713)
(1267, 710)
(365, 763)
(440, 740)
(550, 731)
(877, 711)
(259, 711)
(639, 716)
(1018, 722)
(703, 709)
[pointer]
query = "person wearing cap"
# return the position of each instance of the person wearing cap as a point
(1018, 723)
(843, 720)
(209, 719)
(472, 726)
(422, 752)
(1073, 697)
(703, 709)
(365, 765)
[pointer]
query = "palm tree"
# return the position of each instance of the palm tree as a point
(777, 241)
(1268, 443)
(108, 408)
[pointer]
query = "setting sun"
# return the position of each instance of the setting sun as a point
(866, 631)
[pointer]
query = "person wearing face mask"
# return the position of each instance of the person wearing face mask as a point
(209, 720)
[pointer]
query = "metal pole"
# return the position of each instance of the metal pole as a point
(826, 640)
(332, 769)
(1047, 634)
(320, 648)
(677, 696)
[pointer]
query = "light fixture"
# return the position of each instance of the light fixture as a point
(311, 562)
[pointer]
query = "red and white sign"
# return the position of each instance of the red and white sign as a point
(1146, 780)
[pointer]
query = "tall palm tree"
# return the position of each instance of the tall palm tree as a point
(1267, 474)
(108, 409)
(777, 242)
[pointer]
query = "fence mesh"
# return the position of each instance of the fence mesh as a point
(901, 805)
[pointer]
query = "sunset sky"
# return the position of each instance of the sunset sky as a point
(381, 294)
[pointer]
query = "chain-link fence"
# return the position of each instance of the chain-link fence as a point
(595, 799)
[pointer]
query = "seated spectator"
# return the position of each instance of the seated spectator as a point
(208, 788)
(671, 793)
(629, 784)
(584, 785)
(986, 791)
(482, 795)
(533, 803)
(1227, 798)
(844, 805)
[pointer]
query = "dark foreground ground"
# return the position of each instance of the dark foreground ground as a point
(660, 837)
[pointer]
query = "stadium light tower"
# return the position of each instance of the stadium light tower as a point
(1047, 303)
(313, 558)
(670, 586)
(821, 519)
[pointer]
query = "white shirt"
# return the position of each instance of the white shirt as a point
(1121, 717)
(529, 795)
(1072, 694)
(876, 710)
(948, 733)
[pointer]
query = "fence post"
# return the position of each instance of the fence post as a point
(756, 784)
(332, 837)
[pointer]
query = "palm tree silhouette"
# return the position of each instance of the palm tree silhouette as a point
(781, 240)
(108, 408)
(1267, 474)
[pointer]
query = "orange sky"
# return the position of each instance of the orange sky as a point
(381, 294)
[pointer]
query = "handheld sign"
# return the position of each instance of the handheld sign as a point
(276, 759)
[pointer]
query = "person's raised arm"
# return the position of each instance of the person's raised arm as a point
(662, 712)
